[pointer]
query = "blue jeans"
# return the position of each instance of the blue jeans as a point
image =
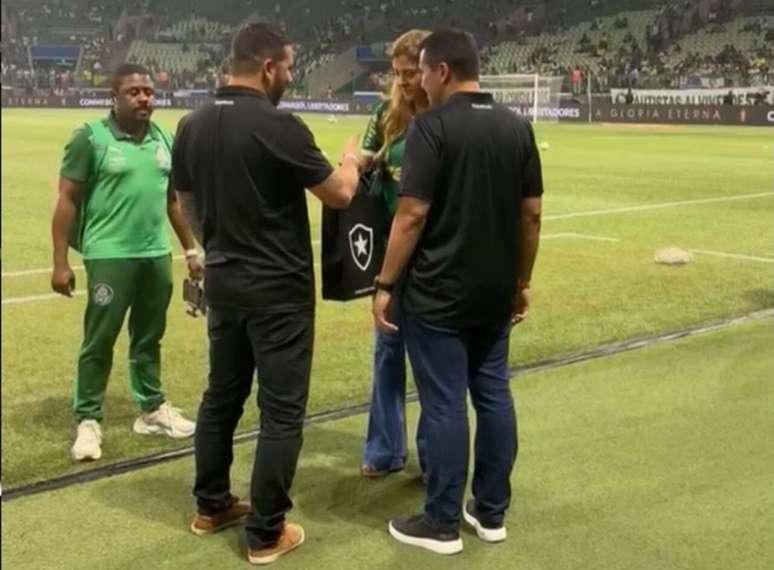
(447, 364)
(386, 447)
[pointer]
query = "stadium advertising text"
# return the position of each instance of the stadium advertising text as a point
(674, 114)
(684, 114)
(742, 96)
(573, 113)
(315, 106)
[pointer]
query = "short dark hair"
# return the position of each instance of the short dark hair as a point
(125, 70)
(253, 44)
(457, 49)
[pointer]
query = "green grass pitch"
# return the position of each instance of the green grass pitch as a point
(649, 460)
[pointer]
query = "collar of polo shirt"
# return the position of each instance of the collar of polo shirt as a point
(121, 134)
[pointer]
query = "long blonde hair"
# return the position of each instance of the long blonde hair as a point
(399, 113)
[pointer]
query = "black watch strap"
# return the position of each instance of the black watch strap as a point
(381, 286)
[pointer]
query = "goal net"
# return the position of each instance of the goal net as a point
(534, 96)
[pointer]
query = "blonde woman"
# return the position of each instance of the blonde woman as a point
(384, 143)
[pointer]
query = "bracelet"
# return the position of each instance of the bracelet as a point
(521, 284)
(382, 286)
(189, 253)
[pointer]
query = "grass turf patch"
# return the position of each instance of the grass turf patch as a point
(656, 458)
(586, 292)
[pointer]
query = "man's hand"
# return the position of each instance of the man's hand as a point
(353, 145)
(351, 149)
(63, 280)
(381, 308)
(195, 267)
(520, 305)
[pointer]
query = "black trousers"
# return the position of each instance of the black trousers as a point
(279, 346)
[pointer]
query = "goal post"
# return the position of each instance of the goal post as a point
(536, 96)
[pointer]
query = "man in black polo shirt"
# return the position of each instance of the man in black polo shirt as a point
(466, 232)
(241, 166)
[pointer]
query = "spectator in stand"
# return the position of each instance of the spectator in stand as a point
(577, 78)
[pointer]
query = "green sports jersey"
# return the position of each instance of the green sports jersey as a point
(124, 208)
(372, 144)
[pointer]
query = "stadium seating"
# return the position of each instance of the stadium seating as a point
(197, 29)
(711, 41)
(173, 57)
(736, 50)
(525, 56)
(593, 35)
(62, 22)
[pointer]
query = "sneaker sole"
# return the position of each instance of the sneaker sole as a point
(86, 457)
(485, 534)
(446, 547)
(145, 429)
(263, 560)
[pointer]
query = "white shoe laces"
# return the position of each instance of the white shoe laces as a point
(170, 414)
(90, 429)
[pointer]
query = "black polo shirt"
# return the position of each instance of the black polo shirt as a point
(247, 164)
(474, 161)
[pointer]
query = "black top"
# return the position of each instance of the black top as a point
(475, 161)
(247, 164)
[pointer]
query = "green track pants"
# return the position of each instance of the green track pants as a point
(144, 288)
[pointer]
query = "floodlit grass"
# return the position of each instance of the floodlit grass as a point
(587, 290)
(655, 458)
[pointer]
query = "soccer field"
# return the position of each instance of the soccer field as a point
(657, 458)
(614, 194)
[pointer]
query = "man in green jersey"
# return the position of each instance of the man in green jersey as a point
(114, 200)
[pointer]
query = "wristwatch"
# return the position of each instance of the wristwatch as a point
(382, 286)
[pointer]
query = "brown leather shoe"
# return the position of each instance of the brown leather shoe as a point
(205, 524)
(371, 472)
(292, 537)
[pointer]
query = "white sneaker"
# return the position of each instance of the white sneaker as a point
(87, 442)
(486, 532)
(165, 420)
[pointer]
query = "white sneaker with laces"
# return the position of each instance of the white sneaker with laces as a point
(486, 532)
(165, 420)
(87, 441)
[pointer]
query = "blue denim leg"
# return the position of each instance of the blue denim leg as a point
(496, 441)
(421, 443)
(440, 363)
(385, 447)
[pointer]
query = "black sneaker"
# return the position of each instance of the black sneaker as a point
(486, 531)
(416, 532)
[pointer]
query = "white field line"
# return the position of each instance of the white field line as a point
(45, 270)
(548, 218)
(578, 236)
(49, 296)
(661, 206)
(739, 256)
(41, 270)
(26, 272)
(34, 298)
(664, 205)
